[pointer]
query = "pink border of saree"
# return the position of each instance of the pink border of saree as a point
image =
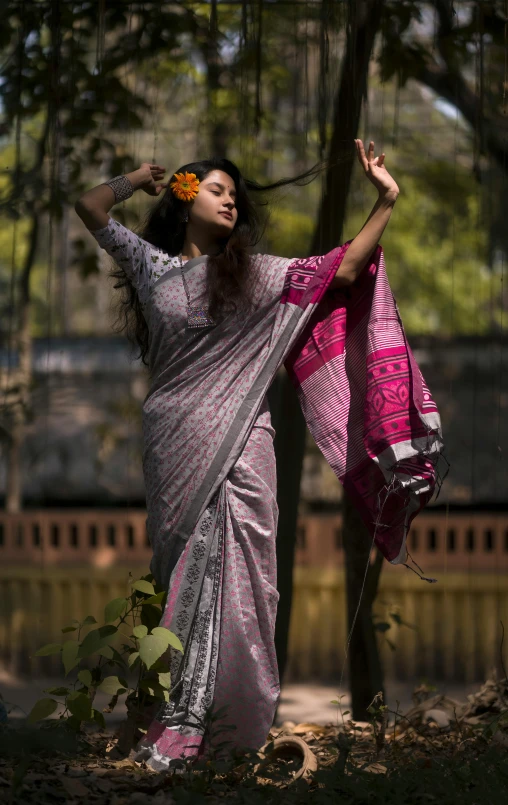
(365, 400)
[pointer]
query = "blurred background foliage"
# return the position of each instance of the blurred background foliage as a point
(166, 103)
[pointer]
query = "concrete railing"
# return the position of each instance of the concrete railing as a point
(460, 541)
(48, 537)
(102, 538)
(65, 564)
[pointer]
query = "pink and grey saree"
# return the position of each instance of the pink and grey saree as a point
(209, 463)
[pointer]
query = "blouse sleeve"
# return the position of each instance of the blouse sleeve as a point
(130, 251)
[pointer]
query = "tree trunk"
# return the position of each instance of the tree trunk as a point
(218, 126)
(290, 431)
(444, 77)
(287, 416)
(364, 22)
(365, 672)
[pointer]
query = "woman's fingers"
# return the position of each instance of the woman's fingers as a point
(157, 171)
(361, 153)
(369, 158)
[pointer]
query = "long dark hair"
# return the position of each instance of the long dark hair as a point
(228, 275)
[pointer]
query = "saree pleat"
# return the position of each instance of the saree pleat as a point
(222, 604)
(193, 613)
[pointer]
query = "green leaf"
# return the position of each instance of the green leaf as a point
(106, 651)
(99, 718)
(89, 619)
(171, 637)
(70, 655)
(165, 679)
(160, 666)
(140, 631)
(148, 685)
(111, 685)
(154, 689)
(42, 709)
(80, 705)
(114, 609)
(49, 648)
(150, 616)
(69, 629)
(143, 586)
(60, 691)
(96, 639)
(154, 599)
(132, 658)
(152, 647)
(85, 677)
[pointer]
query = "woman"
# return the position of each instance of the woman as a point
(216, 323)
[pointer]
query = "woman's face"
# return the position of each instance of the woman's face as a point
(216, 197)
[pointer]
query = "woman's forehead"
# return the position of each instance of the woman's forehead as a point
(219, 177)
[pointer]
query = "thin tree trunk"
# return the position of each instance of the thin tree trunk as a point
(364, 23)
(288, 419)
(365, 669)
(290, 430)
(365, 672)
(219, 129)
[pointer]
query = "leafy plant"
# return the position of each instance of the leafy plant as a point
(138, 617)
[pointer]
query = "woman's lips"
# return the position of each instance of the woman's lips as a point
(227, 214)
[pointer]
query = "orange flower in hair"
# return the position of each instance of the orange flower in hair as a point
(186, 186)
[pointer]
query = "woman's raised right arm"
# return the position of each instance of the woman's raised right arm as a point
(93, 206)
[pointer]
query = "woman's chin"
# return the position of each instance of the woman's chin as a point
(227, 226)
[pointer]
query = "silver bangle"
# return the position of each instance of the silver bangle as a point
(121, 187)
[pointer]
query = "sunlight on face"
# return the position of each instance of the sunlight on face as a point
(217, 196)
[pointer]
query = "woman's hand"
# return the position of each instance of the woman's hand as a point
(376, 172)
(151, 176)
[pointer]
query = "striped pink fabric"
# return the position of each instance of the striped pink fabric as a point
(365, 400)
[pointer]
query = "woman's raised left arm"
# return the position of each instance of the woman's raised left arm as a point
(363, 245)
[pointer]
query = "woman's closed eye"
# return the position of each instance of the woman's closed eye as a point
(216, 193)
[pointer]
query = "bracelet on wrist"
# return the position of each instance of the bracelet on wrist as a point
(121, 187)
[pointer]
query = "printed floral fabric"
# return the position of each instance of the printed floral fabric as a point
(209, 465)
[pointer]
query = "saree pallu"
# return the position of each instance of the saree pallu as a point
(209, 472)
